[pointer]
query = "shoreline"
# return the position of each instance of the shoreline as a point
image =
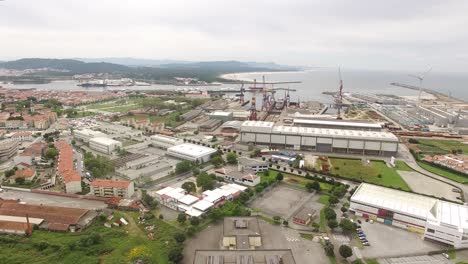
(233, 76)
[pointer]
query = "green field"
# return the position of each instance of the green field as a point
(440, 146)
(324, 199)
(402, 166)
(444, 173)
(377, 172)
(294, 180)
(115, 245)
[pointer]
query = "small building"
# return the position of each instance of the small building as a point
(104, 145)
(253, 164)
(304, 216)
(210, 125)
(221, 115)
(165, 142)
(31, 154)
(238, 175)
(27, 174)
(110, 188)
(86, 134)
(191, 152)
(191, 114)
(241, 233)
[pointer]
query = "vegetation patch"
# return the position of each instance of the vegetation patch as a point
(443, 172)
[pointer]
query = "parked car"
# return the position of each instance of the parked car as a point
(367, 219)
(366, 244)
(359, 221)
(446, 255)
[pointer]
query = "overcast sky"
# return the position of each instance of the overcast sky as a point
(370, 34)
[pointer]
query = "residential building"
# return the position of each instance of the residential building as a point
(65, 168)
(8, 149)
(110, 188)
(27, 174)
(31, 154)
(22, 136)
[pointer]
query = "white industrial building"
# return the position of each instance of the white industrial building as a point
(319, 139)
(104, 145)
(86, 134)
(191, 152)
(165, 142)
(438, 220)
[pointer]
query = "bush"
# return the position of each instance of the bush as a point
(345, 251)
(194, 221)
(181, 218)
(175, 254)
(329, 249)
(179, 237)
(332, 223)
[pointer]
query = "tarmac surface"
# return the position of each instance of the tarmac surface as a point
(425, 185)
(52, 200)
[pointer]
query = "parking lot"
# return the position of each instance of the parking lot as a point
(52, 200)
(389, 241)
(281, 200)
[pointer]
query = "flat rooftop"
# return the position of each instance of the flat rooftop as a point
(241, 226)
(191, 150)
(265, 256)
(104, 141)
(395, 200)
(337, 123)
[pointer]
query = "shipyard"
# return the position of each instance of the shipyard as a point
(234, 132)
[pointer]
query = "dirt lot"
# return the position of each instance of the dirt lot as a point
(282, 200)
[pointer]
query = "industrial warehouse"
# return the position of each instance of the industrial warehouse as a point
(438, 220)
(319, 139)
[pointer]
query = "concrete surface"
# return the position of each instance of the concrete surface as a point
(425, 185)
(435, 259)
(390, 241)
(281, 200)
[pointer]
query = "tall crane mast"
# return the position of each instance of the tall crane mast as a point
(253, 106)
(339, 97)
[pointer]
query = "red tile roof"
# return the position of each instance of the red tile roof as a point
(110, 183)
(16, 226)
(25, 173)
(65, 162)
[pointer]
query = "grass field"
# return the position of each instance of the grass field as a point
(114, 245)
(294, 180)
(324, 199)
(443, 173)
(402, 166)
(377, 172)
(440, 146)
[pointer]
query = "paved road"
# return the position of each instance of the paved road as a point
(52, 200)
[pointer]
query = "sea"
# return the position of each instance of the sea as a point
(314, 82)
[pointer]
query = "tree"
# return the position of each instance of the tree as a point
(189, 187)
(20, 180)
(332, 223)
(231, 158)
(175, 254)
(150, 201)
(333, 200)
(98, 165)
(195, 171)
(9, 173)
(205, 181)
(183, 166)
(51, 153)
(345, 251)
(347, 226)
(329, 249)
(191, 231)
(194, 221)
(329, 213)
(343, 209)
(181, 218)
(217, 161)
(279, 176)
(315, 185)
(179, 237)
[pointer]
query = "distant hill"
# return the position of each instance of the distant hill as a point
(73, 66)
(207, 71)
(127, 61)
